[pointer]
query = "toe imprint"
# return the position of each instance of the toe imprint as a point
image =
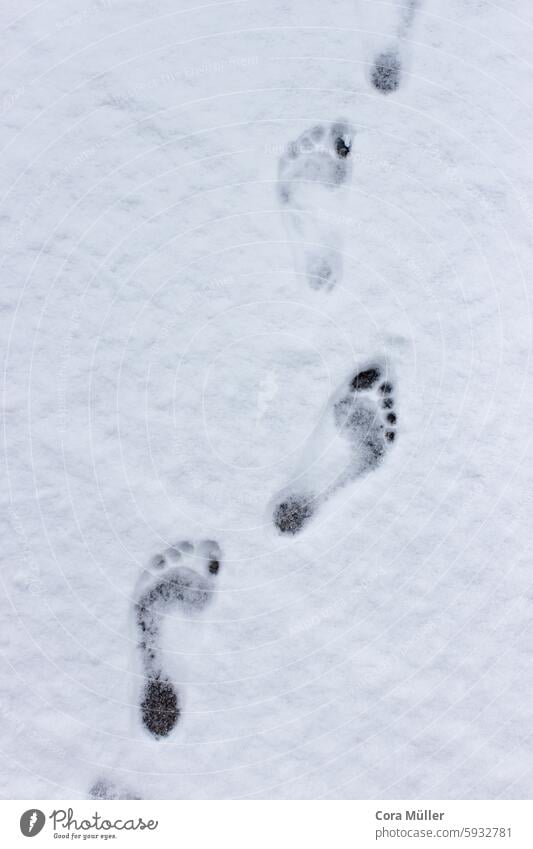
(342, 148)
(365, 379)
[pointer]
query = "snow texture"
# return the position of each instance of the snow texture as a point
(214, 216)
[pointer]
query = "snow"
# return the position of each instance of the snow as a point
(166, 362)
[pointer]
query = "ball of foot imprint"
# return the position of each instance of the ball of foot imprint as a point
(386, 72)
(292, 514)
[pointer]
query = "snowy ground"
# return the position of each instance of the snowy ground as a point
(166, 361)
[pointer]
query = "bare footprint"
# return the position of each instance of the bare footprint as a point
(311, 173)
(353, 437)
(104, 789)
(182, 575)
(386, 70)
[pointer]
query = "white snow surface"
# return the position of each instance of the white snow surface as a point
(165, 363)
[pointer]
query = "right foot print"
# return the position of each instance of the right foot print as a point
(357, 429)
(170, 581)
(311, 173)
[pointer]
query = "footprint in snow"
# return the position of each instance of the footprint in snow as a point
(311, 173)
(356, 431)
(386, 70)
(183, 575)
(104, 789)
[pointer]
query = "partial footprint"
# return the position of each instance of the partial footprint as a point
(352, 438)
(183, 575)
(386, 71)
(311, 174)
(103, 789)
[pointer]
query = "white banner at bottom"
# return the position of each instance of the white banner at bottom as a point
(269, 825)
